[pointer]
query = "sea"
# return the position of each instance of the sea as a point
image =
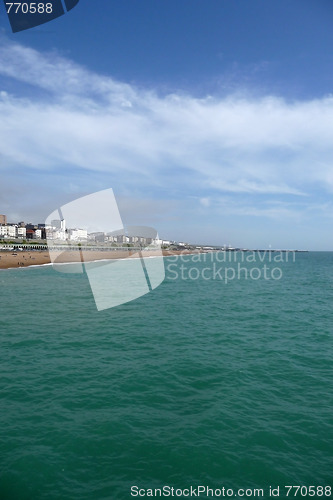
(218, 383)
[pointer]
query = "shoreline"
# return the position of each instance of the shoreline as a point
(35, 258)
(23, 259)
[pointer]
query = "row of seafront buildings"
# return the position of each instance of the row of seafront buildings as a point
(57, 232)
(20, 230)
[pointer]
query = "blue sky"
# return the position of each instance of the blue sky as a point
(211, 120)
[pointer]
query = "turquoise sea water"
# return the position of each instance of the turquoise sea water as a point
(196, 383)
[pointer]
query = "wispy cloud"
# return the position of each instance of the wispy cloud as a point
(77, 123)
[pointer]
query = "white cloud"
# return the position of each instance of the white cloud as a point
(84, 122)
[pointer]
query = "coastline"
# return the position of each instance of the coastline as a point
(10, 259)
(24, 259)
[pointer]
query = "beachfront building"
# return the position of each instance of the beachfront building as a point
(56, 230)
(8, 231)
(12, 231)
(3, 220)
(77, 234)
(58, 235)
(53, 233)
(159, 242)
(30, 234)
(58, 224)
(21, 232)
(110, 238)
(98, 237)
(122, 239)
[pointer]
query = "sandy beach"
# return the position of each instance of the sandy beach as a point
(10, 259)
(23, 259)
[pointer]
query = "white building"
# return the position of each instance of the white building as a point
(8, 231)
(77, 234)
(110, 239)
(58, 224)
(99, 237)
(122, 238)
(55, 234)
(21, 232)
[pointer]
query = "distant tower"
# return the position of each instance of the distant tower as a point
(63, 225)
(3, 219)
